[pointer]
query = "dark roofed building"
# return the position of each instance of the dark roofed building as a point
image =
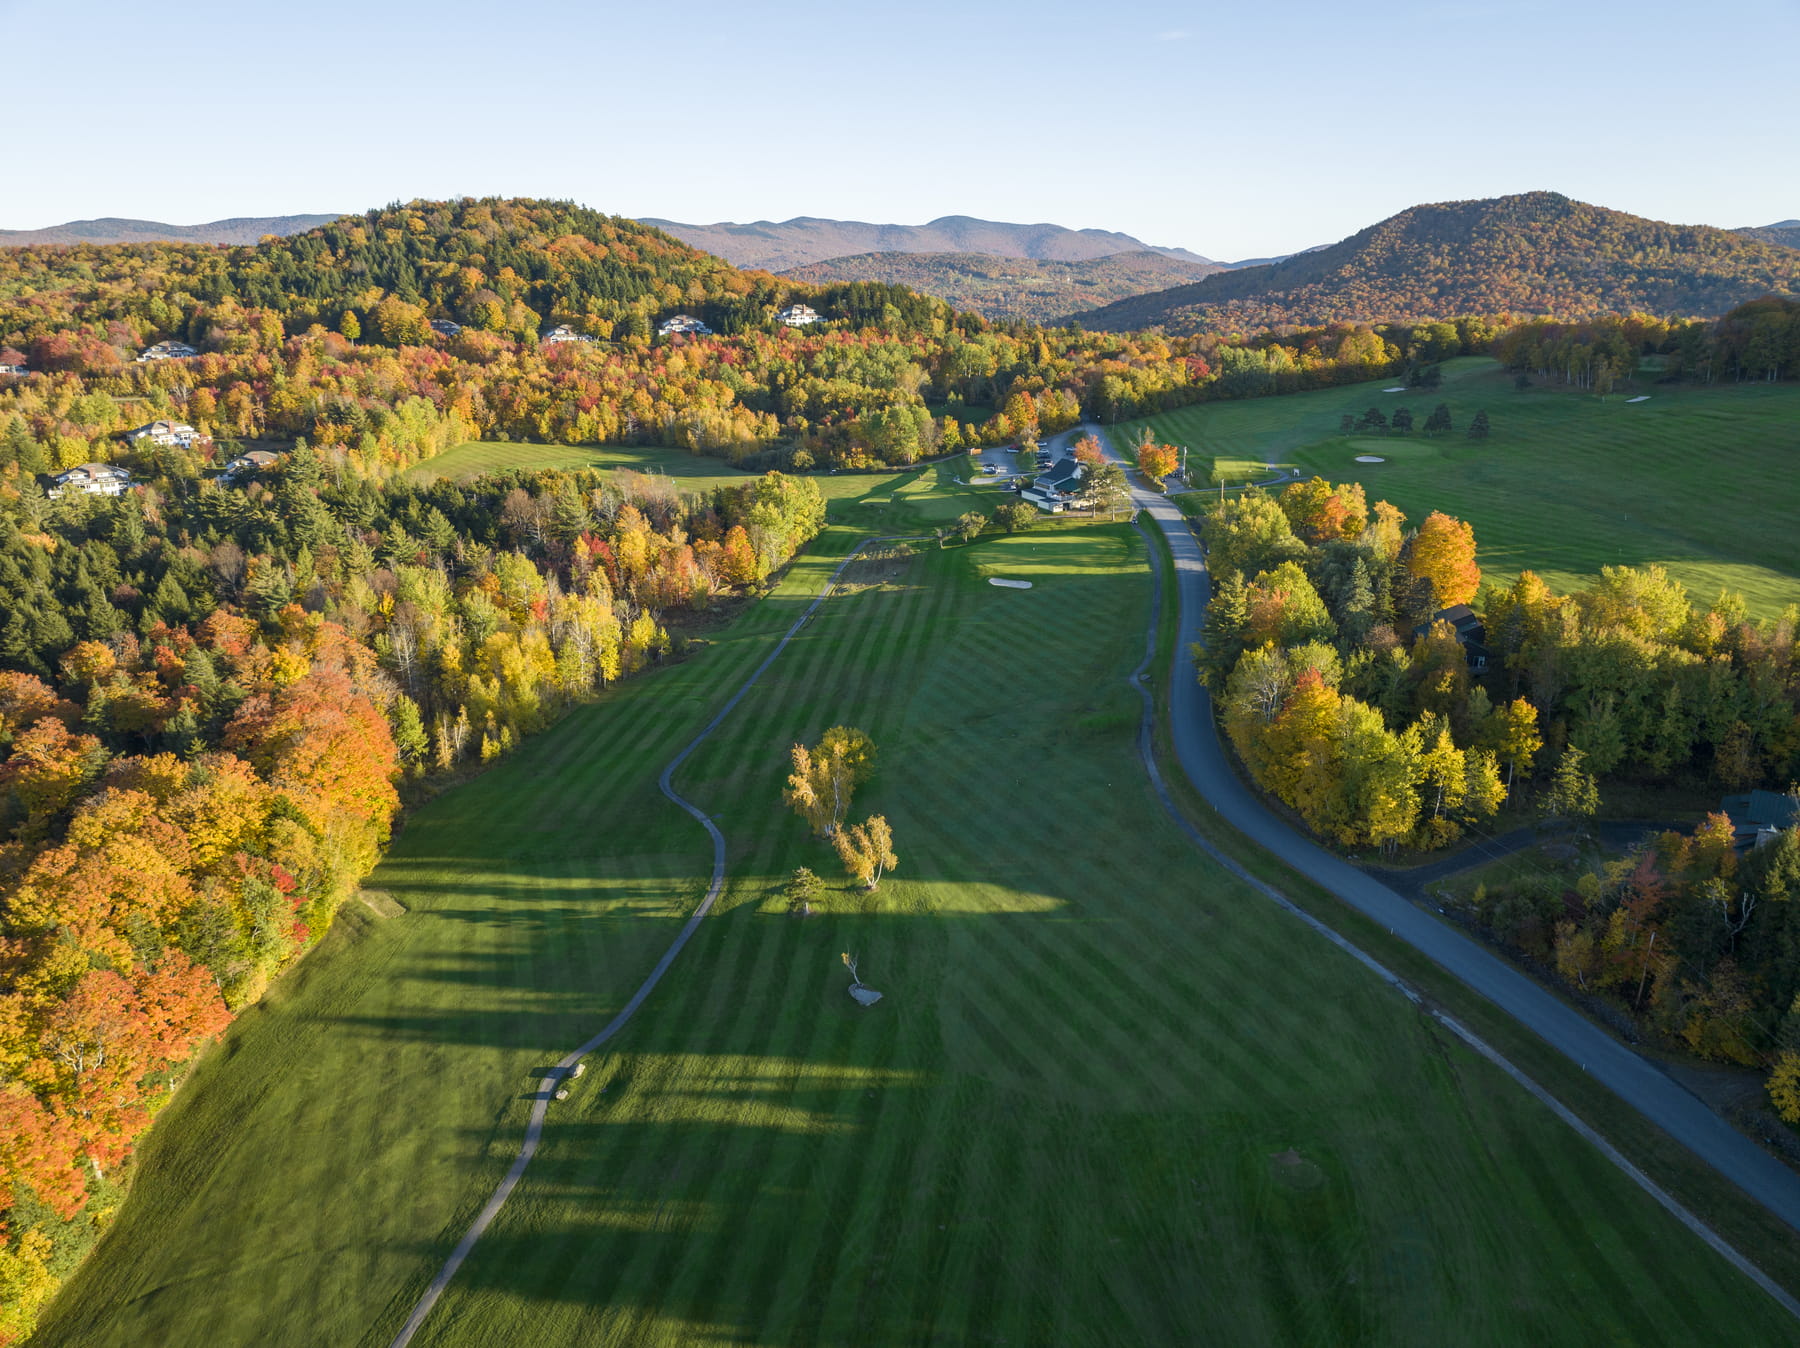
(1757, 816)
(1470, 631)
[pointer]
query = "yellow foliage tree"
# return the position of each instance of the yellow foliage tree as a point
(826, 775)
(867, 849)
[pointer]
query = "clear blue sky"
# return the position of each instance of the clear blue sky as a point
(1234, 130)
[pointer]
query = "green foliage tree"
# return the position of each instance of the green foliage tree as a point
(1479, 427)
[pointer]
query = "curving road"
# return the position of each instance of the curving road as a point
(1640, 1083)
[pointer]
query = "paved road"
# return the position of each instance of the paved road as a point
(1639, 1082)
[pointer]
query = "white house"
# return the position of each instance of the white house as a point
(167, 433)
(96, 479)
(14, 369)
(168, 351)
(798, 315)
(562, 332)
(682, 325)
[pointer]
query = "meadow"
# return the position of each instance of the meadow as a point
(1111, 1095)
(1698, 479)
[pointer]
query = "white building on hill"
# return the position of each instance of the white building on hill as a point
(166, 433)
(798, 315)
(168, 351)
(682, 325)
(96, 479)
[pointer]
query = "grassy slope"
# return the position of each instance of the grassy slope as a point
(1057, 1128)
(1700, 480)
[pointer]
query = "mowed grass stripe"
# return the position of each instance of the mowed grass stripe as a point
(763, 1148)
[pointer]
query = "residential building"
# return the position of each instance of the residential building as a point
(96, 479)
(797, 315)
(14, 369)
(445, 328)
(168, 351)
(246, 464)
(1758, 816)
(682, 325)
(562, 332)
(167, 433)
(1470, 631)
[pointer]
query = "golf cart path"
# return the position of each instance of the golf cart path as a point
(547, 1087)
(1640, 1083)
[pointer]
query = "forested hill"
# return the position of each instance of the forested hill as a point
(111, 229)
(505, 266)
(1536, 253)
(1008, 288)
(783, 245)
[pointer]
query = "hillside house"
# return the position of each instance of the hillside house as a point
(14, 369)
(246, 464)
(96, 479)
(167, 351)
(167, 433)
(682, 325)
(562, 332)
(443, 327)
(1758, 816)
(798, 315)
(1470, 631)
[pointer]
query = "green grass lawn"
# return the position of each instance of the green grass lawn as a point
(1698, 479)
(1111, 1096)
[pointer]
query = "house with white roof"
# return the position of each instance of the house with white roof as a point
(685, 325)
(562, 332)
(798, 315)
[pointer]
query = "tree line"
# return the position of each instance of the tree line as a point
(207, 699)
(1350, 694)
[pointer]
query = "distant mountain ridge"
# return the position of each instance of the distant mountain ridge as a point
(1012, 288)
(784, 245)
(1534, 253)
(112, 229)
(1786, 233)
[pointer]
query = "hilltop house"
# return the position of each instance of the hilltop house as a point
(16, 368)
(443, 327)
(797, 315)
(1470, 631)
(562, 332)
(682, 325)
(1757, 816)
(245, 464)
(167, 351)
(96, 479)
(167, 433)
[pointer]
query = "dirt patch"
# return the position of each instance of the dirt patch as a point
(875, 566)
(381, 903)
(1291, 1170)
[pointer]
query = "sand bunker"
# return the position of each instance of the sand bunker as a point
(1641, 398)
(1010, 584)
(1401, 389)
(1370, 458)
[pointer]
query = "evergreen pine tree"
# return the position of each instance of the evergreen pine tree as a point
(1478, 428)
